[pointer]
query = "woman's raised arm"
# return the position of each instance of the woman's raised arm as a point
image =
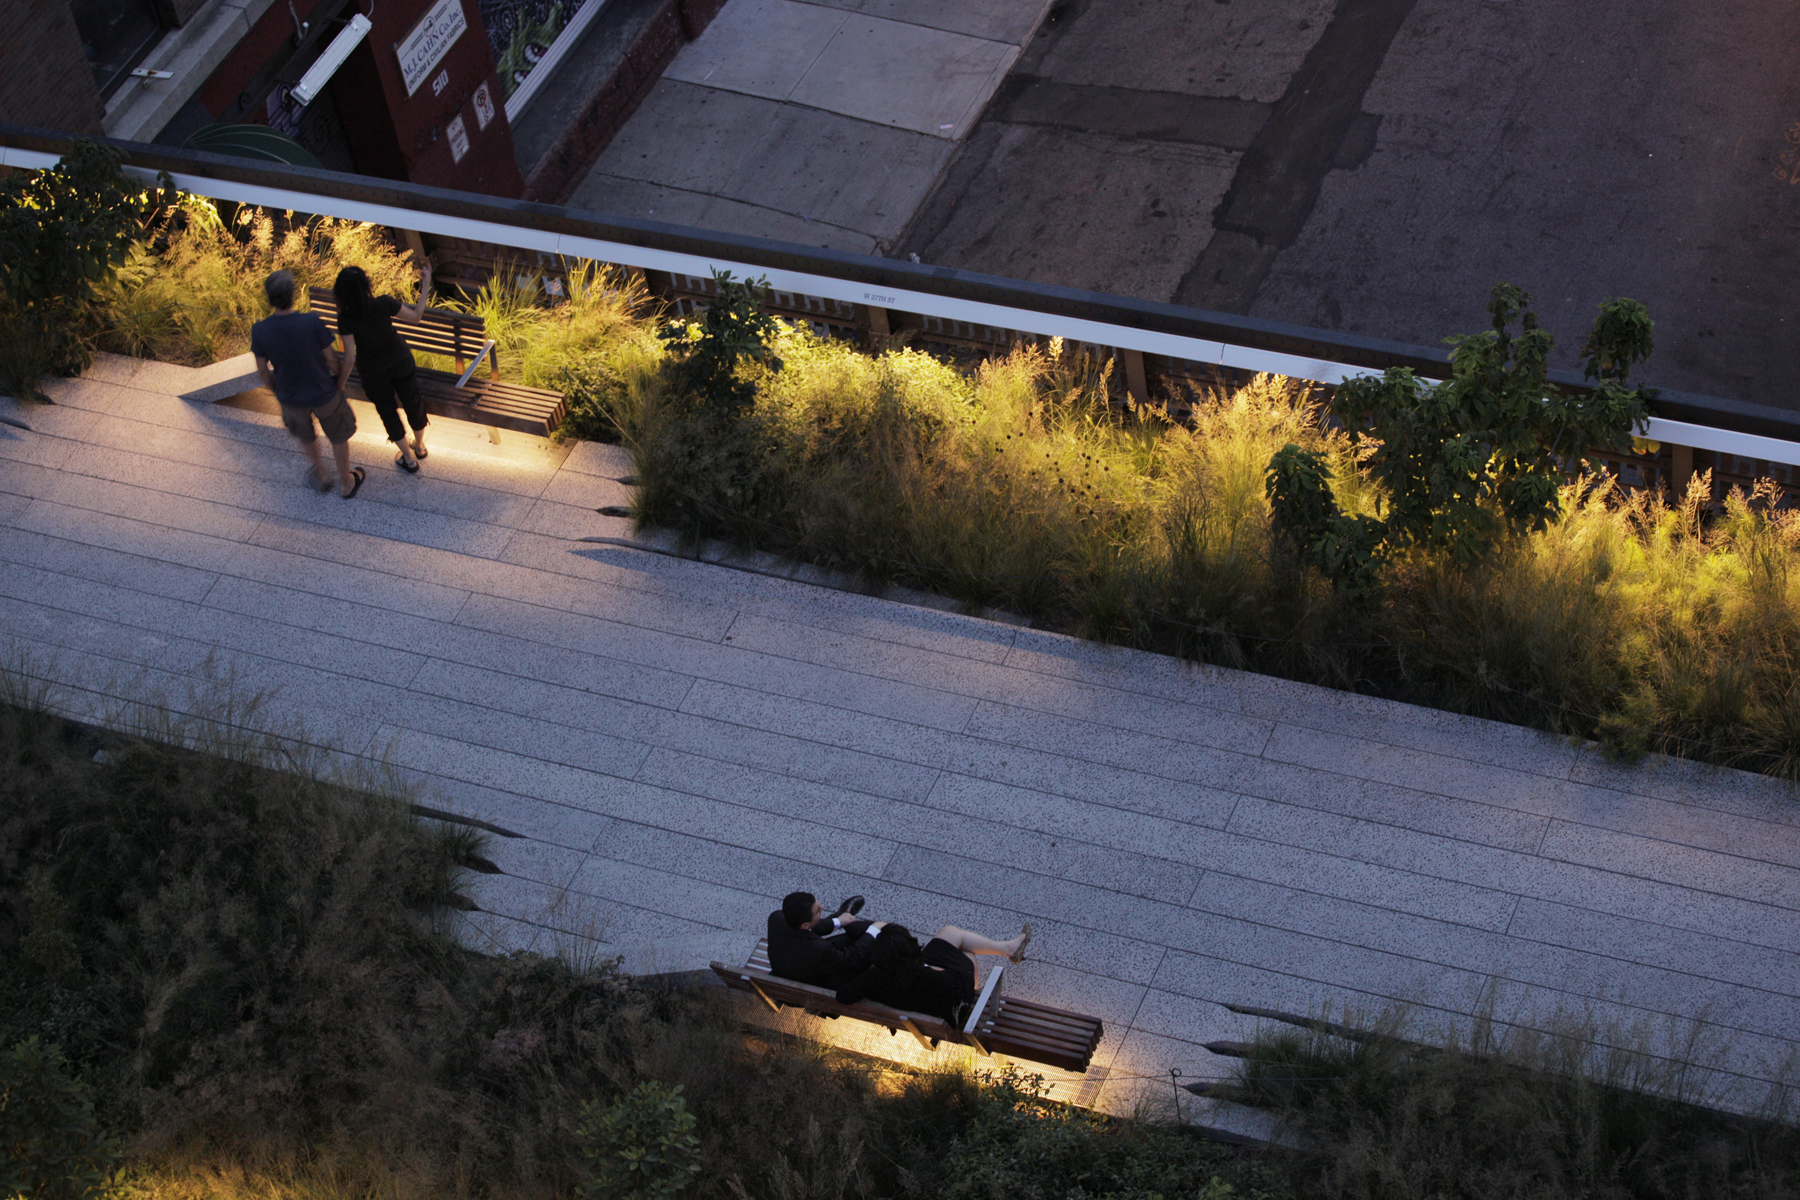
(414, 313)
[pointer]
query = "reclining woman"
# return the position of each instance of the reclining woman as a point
(938, 980)
(366, 325)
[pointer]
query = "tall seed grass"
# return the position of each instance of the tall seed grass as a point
(1015, 488)
(192, 287)
(1575, 1111)
(539, 337)
(250, 961)
(1646, 624)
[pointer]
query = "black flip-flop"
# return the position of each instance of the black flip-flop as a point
(358, 474)
(411, 467)
(318, 482)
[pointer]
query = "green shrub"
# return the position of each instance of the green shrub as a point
(1575, 1112)
(63, 230)
(640, 1147)
(50, 1145)
(708, 358)
(1018, 1148)
(1461, 464)
(598, 327)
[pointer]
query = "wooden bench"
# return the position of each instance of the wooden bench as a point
(489, 401)
(997, 1024)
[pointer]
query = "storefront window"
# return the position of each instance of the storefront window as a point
(116, 35)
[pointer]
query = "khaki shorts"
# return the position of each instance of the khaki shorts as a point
(335, 418)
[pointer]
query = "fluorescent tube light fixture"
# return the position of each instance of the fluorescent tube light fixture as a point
(320, 73)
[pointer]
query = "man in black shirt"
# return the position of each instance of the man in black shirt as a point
(807, 946)
(295, 359)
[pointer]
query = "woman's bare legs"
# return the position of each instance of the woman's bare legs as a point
(973, 943)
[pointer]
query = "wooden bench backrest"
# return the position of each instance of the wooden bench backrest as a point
(458, 335)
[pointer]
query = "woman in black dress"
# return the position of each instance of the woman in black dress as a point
(938, 980)
(366, 325)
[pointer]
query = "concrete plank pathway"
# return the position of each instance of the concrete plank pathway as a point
(678, 744)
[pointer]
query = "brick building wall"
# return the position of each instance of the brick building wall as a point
(422, 122)
(44, 75)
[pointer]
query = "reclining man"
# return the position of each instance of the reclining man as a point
(807, 946)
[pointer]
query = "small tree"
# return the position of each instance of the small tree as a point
(50, 1146)
(1470, 460)
(641, 1148)
(63, 230)
(734, 330)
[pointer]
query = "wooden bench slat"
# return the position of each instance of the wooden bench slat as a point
(1048, 1017)
(1041, 1031)
(524, 410)
(1025, 1019)
(1078, 1063)
(1030, 1047)
(1039, 1037)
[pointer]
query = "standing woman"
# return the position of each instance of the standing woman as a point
(366, 324)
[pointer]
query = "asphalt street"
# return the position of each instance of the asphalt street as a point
(1375, 166)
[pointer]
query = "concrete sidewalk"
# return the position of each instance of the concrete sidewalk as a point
(679, 744)
(823, 123)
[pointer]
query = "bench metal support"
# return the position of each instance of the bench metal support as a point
(463, 379)
(914, 1030)
(989, 990)
(757, 988)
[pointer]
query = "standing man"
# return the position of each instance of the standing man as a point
(295, 359)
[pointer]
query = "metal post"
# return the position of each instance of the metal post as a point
(878, 328)
(1681, 469)
(1135, 383)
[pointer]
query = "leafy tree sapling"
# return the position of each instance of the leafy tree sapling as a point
(1466, 462)
(642, 1147)
(51, 1147)
(63, 231)
(734, 330)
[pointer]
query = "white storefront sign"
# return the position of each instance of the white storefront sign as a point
(459, 139)
(484, 106)
(429, 41)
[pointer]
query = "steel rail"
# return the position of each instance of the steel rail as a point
(1709, 423)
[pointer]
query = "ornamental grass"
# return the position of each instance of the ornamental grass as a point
(1637, 621)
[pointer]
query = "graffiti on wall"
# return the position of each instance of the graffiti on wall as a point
(521, 32)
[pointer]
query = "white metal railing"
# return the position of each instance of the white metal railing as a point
(1076, 329)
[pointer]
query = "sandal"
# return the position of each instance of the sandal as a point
(406, 464)
(316, 481)
(1018, 956)
(419, 451)
(359, 475)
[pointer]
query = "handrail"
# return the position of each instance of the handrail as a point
(1710, 423)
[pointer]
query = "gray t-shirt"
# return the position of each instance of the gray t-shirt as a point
(291, 341)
